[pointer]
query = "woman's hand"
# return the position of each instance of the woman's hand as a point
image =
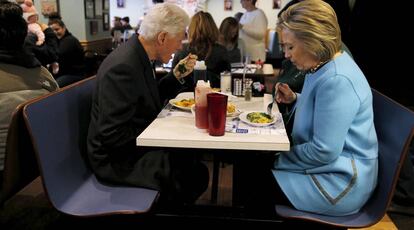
(284, 94)
(185, 66)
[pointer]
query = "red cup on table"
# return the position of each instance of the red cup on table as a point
(217, 110)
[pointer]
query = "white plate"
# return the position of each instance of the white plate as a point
(173, 101)
(233, 114)
(185, 95)
(243, 117)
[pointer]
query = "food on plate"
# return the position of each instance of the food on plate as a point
(187, 103)
(231, 108)
(259, 117)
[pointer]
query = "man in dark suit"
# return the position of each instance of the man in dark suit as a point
(127, 100)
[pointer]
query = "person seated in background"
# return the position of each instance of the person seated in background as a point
(229, 38)
(127, 29)
(21, 75)
(70, 52)
(127, 99)
(203, 37)
(139, 23)
(44, 50)
(333, 159)
(31, 16)
(117, 26)
(125, 23)
(47, 53)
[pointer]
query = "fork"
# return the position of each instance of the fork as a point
(270, 105)
(269, 108)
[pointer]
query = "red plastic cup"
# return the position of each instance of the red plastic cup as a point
(217, 110)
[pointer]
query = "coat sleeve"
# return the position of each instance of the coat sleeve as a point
(336, 104)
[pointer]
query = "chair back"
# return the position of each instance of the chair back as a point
(20, 166)
(58, 126)
(394, 125)
(395, 129)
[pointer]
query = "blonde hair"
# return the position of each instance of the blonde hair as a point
(163, 17)
(202, 34)
(313, 22)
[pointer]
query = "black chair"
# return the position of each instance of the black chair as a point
(58, 125)
(394, 125)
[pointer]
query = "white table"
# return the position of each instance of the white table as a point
(180, 132)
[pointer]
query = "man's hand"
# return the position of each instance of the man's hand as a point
(185, 66)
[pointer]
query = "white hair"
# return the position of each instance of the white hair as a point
(163, 17)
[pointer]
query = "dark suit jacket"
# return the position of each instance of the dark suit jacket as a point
(71, 57)
(125, 102)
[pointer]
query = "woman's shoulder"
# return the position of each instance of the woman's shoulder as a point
(346, 66)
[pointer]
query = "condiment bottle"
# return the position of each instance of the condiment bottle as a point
(201, 115)
(200, 71)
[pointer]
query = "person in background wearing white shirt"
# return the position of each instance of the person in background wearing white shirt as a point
(253, 26)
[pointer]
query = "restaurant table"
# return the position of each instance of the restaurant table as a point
(180, 132)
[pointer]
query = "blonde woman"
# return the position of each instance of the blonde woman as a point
(332, 165)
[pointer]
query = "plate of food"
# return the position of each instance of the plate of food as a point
(255, 118)
(182, 103)
(232, 110)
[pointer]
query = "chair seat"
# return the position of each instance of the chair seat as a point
(116, 199)
(351, 221)
(58, 125)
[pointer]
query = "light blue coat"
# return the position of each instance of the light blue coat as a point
(332, 166)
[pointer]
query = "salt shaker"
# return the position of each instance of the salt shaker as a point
(248, 92)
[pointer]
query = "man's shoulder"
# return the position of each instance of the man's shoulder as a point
(124, 55)
(26, 79)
